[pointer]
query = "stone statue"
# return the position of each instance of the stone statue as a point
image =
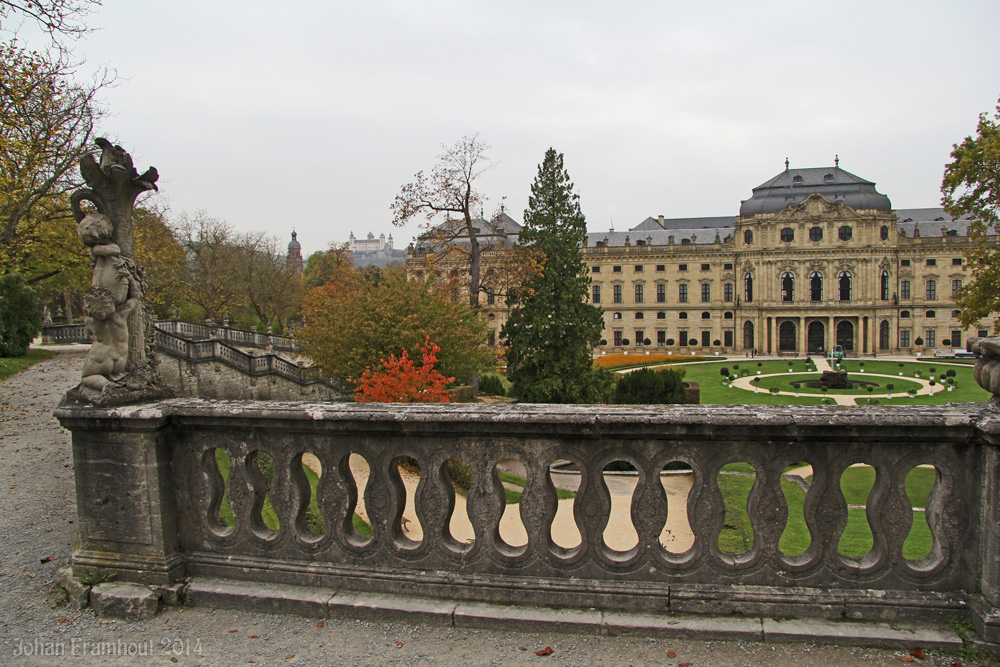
(121, 365)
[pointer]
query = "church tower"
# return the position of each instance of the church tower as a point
(294, 259)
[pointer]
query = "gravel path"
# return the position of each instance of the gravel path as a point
(37, 532)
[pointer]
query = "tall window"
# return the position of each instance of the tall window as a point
(595, 293)
(727, 292)
(638, 293)
(682, 293)
(956, 285)
(845, 286)
(661, 338)
(930, 337)
(787, 287)
(904, 338)
(904, 289)
(748, 335)
(683, 336)
(618, 339)
(617, 296)
(639, 337)
(931, 290)
(884, 286)
(815, 286)
(883, 335)
(956, 338)
(706, 293)
(748, 288)
(491, 297)
(661, 293)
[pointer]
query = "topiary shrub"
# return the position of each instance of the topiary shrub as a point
(950, 373)
(890, 387)
(647, 342)
(919, 341)
(717, 342)
(20, 316)
(648, 386)
(626, 342)
(491, 385)
(670, 342)
(724, 371)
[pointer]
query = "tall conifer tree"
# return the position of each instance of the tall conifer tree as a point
(552, 328)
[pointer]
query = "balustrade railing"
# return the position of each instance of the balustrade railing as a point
(213, 482)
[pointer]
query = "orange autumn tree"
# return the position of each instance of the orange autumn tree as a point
(402, 381)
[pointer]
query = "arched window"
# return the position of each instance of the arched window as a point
(815, 286)
(748, 335)
(787, 287)
(884, 287)
(884, 233)
(748, 237)
(845, 286)
(748, 288)
(883, 335)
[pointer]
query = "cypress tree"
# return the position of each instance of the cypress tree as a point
(552, 328)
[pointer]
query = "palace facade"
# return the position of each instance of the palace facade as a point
(816, 258)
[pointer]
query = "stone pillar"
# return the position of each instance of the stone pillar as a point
(864, 335)
(803, 340)
(985, 603)
(125, 504)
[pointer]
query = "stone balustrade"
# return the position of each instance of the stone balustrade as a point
(154, 504)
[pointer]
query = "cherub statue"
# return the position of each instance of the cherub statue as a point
(114, 293)
(107, 322)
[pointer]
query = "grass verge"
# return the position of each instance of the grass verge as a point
(11, 365)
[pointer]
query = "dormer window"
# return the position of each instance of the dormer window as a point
(796, 180)
(828, 178)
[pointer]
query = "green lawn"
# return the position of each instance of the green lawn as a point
(713, 391)
(514, 496)
(856, 540)
(314, 517)
(11, 365)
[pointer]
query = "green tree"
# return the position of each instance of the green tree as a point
(971, 188)
(552, 329)
(353, 325)
(20, 316)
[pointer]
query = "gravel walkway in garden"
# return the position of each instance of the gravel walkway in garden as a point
(37, 532)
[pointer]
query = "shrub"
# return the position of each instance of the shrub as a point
(774, 391)
(670, 342)
(20, 316)
(870, 389)
(919, 341)
(759, 364)
(736, 367)
(946, 342)
(626, 342)
(873, 401)
(828, 401)
(648, 386)
(950, 373)
(912, 393)
(491, 385)
(932, 369)
(647, 342)
(716, 342)
(890, 387)
(724, 371)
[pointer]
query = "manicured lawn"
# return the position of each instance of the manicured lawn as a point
(314, 516)
(617, 362)
(713, 391)
(856, 540)
(516, 480)
(11, 365)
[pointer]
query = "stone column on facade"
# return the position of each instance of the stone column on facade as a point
(803, 340)
(831, 333)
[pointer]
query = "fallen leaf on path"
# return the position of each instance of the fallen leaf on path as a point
(545, 651)
(232, 631)
(62, 620)
(252, 636)
(290, 656)
(46, 559)
(906, 658)
(671, 654)
(917, 653)
(399, 644)
(31, 575)
(320, 624)
(174, 660)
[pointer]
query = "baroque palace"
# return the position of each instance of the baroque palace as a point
(816, 258)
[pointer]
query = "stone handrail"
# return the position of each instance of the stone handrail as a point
(76, 333)
(216, 350)
(160, 520)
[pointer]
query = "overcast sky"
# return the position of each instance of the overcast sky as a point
(312, 114)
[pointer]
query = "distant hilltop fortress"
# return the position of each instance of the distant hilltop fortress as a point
(370, 244)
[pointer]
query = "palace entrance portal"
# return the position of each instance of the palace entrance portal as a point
(816, 334)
